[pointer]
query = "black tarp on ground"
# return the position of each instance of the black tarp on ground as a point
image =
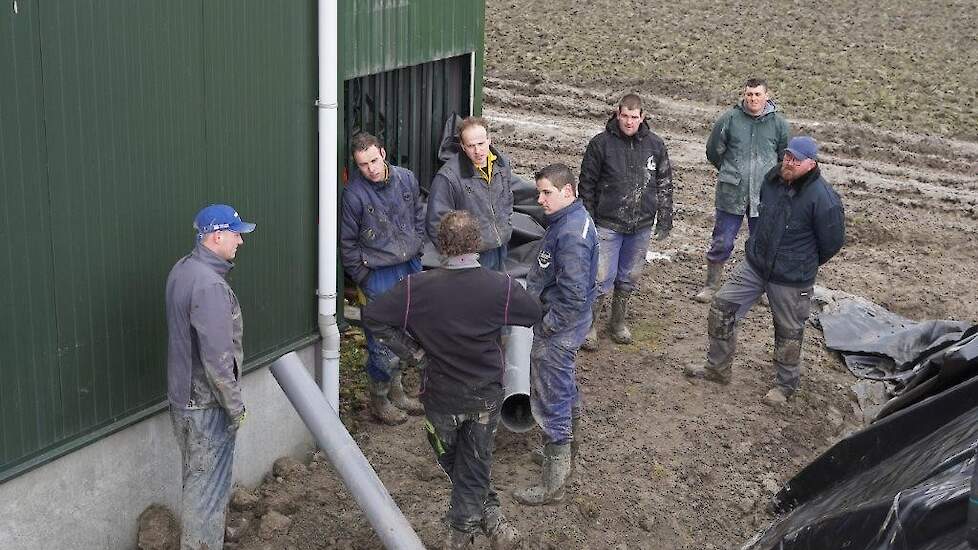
(902, 483)
(877, 344)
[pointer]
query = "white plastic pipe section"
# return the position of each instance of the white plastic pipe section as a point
(360, 479)
(327, 15)
(515, 413)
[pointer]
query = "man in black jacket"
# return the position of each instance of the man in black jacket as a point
(454, 316)
(800, 227)
(626, 186)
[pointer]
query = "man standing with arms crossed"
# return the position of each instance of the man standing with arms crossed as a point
(204, 362)
(626, 186)
(801, 226)
(563, 278)
(381, 240)
(456, 314)
(746, 142)
(479, 181)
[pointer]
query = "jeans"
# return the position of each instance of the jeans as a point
(206, 442)
(495, 258)
(725, 229)
(468, 441)
(789, 306)
(621, 257)
(554, 396)
(380, 359)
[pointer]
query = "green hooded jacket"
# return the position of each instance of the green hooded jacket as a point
(744, 148)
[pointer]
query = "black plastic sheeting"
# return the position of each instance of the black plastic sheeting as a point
(902, 483)
(909, 356)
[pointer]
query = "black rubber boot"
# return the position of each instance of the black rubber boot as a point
(714, 272)
(591, 340)
(620, 332)
(400, 399)
(381, 407)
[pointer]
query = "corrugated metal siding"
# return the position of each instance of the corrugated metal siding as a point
(407, 108)
(147, 111)
(382, 35)
(29, 405)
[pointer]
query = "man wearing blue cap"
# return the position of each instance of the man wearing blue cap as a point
(204, 361)
(800, 227)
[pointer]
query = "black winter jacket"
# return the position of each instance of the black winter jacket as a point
(800, 227)
(626, 182)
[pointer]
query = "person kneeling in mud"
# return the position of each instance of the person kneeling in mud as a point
(448, 321)
(564, 280)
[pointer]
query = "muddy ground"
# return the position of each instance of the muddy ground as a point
(668, 463)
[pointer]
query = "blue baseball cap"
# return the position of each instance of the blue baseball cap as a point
(220, 217)
(803, 147)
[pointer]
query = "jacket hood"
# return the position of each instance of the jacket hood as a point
(769, 107)
(612, 127)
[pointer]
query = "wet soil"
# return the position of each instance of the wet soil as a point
(668, 463)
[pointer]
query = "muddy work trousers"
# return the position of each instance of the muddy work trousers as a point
(466, 442)
(380, 359)
(554, 396)
(725, 229)
(206, 442)
(621, 257)
(789, 306)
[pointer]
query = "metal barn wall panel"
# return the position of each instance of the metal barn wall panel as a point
(261, 157)
(142, 113)
(382, 35)
(407, 108)
(122, 97)
(30, 395)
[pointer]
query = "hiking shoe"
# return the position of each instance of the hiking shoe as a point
(696, 370)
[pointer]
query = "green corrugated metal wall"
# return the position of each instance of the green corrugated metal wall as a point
(118, 120)
(121, 119)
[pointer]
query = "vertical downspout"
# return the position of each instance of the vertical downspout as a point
(327, 14)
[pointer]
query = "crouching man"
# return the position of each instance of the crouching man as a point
(800, 227)
(564, 280)
(454, 316)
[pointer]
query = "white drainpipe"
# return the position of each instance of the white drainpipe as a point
(327, 15)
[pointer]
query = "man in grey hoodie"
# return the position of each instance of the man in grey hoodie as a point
(746, 142)
(204, 361)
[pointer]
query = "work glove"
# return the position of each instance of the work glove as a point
(237, 421)
(661, 234)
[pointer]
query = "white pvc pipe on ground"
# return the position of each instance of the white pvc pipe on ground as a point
(346, 457)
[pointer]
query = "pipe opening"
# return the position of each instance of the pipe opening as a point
(515, 414)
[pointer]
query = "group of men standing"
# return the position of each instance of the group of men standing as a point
(448, 322)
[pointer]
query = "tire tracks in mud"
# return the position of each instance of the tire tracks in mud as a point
(930, 172)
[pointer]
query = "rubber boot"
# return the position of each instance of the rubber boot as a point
(381, 407)
(538, 457)
(620, 333)
(456, 540)
(591, 340)
(502, 535)
(400, 399)
(556, 469)
(703, 371)
(714, 272)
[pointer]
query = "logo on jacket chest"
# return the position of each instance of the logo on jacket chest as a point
(650, 164)
(544, 259)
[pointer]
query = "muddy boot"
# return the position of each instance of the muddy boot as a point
(776, 397)
(714, 272)
(620, 333)
(381, 407)
(591, 340)
(400, 399)
(575, 443)
(502, 535)
(556, 469)
(705, 372)
(456, 540)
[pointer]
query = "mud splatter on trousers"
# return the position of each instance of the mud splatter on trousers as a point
(206, 442)
(554, 395)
